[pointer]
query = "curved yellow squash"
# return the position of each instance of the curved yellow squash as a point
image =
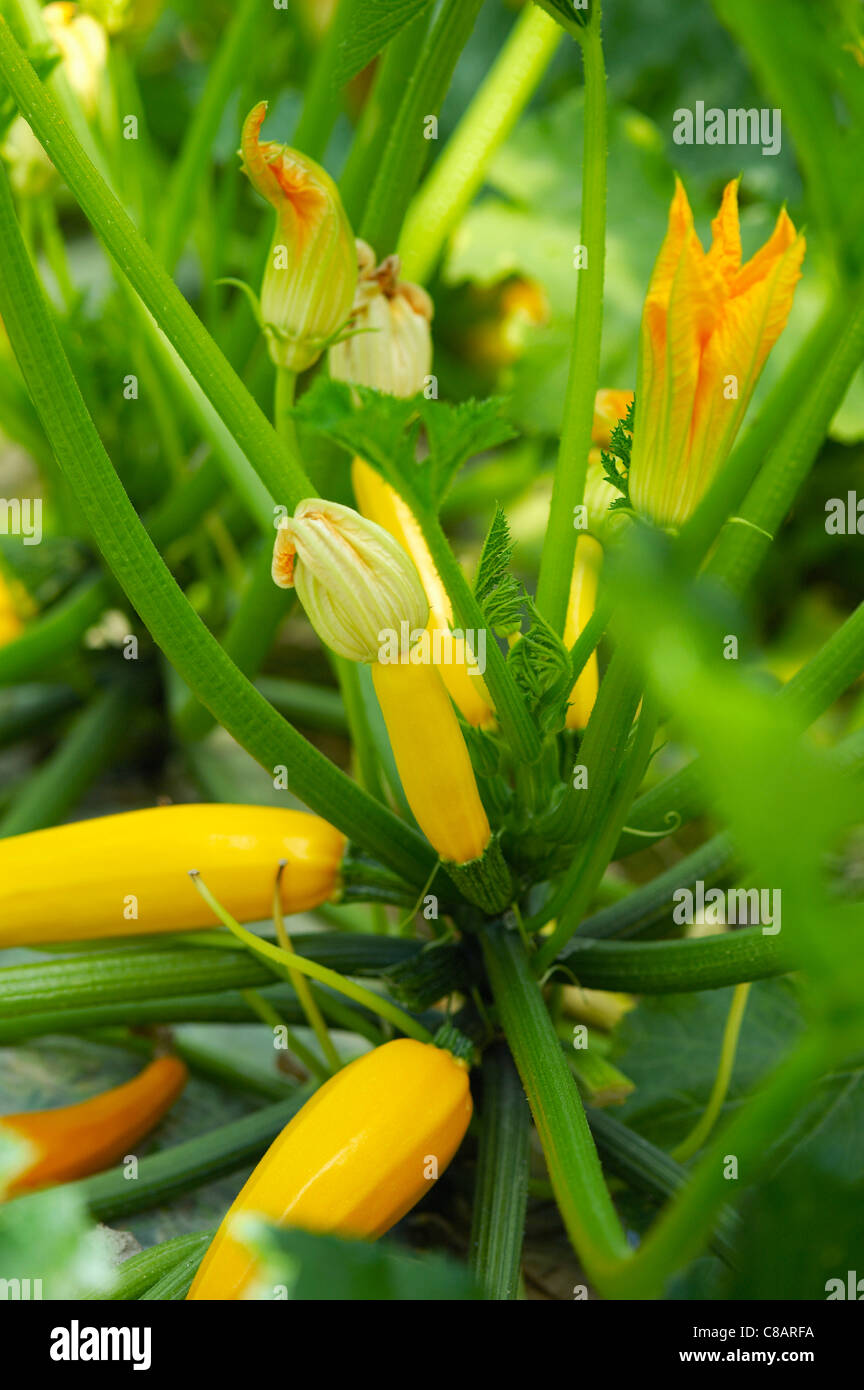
(359, 1155)
(128, 874)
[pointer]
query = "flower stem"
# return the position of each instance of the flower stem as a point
(556, 564)
(193, 162)
(501, 1185)
(408, 146)
(459, 173)
(700, 1131)
(301, 987)
(571, 1157)
(287, 960)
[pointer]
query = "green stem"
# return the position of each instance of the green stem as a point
(459, 173)
(89, 746)
(283, 406)
(268, 1014)
(317, 706)
(700, 1131)
(224, 75)
(50, 636)
(301, 988)
(272, 460)
(571, 1157)
(289, 960)
(321, 100)
(190, 647)
(140, 1272)
(407, 148)
(676, 967)
(379, 113)
(650, 905)
(247, 639)
(501, 1184)
(556, 565)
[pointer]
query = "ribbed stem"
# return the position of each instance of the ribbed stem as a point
(407, 148)
(677, 967)
(460, 171)
(571, 1157)
(556, 565)
(501, 1186)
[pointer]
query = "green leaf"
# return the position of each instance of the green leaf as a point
(499, 594)
(384, 430)
(540, 663)
(376, 22)
(326, 1269)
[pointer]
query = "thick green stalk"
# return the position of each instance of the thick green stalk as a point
(650, 905)
(501, 1186)
(379, 113)
(146, 972)
(225, 73)
(459, 173)
(91, 742)
(190, 647)
(248, 637)
(272, 460)
(407, 148)
(571, 1157)
(676, 967)
(556, 565)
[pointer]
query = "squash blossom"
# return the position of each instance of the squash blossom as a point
(396, 357)
(364, 598)
(708, 326)
(311, 274)
(609, 408)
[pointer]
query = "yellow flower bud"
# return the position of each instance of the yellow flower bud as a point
(311, 274)
(354, 580)
(11, 625)
(83, 45)
(390, 347)
(708, 326)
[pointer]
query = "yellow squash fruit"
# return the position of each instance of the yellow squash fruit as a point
(128, 874)
(358, 1156)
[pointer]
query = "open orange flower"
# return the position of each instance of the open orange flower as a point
(708, 326)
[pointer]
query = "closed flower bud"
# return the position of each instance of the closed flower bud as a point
(708, 326)
(580, 608)
(11, 625)
(390, 347)
(311, 274)
(354, 580)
